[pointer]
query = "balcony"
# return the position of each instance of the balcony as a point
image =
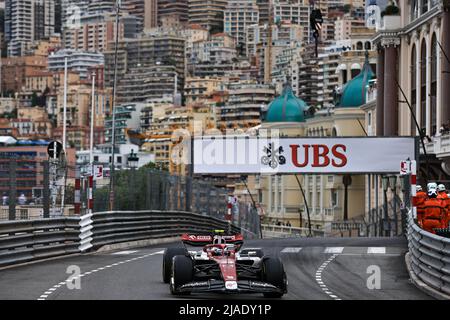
(371, 93)
(440, 146)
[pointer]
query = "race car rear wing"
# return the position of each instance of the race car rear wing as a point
(203, 240)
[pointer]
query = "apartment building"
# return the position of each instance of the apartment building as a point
(127, 116)
(207, 13)
(77, 61)
(176, 9)
(238, 15)
(95, 29)
(244, 104)
(220, 47)
(16, 69)
(138, 58)
(27, 21)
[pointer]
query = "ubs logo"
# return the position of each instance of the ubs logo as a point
(273, 157)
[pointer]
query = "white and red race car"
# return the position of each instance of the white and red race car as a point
(222, 267)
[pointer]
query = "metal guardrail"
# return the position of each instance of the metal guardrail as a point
(430, 257)
(29, 240)
(274, 231)
(24, 241)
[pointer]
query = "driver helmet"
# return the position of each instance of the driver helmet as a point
(441, 187)
(418, 188)
(217, 252)
(432, 185)
(432, 193)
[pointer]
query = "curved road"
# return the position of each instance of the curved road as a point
(317, 268)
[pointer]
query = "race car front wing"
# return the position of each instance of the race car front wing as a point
(220, 286)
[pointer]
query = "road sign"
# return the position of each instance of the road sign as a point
(54, 149)
(405, 167)
(98, 172)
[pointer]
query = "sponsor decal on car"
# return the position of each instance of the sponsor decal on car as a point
(231, 285)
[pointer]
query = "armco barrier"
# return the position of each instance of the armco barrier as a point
(429, 257)
(25, 241)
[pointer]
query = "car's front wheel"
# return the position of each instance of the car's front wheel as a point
(169, 253)
(273, 273)
(182, 273)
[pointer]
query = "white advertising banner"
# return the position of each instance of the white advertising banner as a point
(301, 155)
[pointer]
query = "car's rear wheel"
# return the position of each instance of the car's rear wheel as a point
(182, 273)
(169, 253)
(273, 273)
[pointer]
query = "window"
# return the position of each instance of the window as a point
(413, 97)
(334, 198)
(423, 85)
(424, 7)
(433, 110)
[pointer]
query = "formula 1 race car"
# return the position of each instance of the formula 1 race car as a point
(222, 267)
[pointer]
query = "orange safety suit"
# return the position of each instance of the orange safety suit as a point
(434, 211)
(418, 201)
(446, 203)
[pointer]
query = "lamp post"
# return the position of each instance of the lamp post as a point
(258, 220)
(347, 180)
(385, 184)
(133, 162)
(113, 138)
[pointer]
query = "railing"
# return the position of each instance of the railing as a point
(29, 240)
(428, 259)
(24, 241)
(274, 231)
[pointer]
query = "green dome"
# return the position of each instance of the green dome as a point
(354, 92)
(286, 108)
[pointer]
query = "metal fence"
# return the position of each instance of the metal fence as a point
(149, 189)
(428, 258)
(32, 189)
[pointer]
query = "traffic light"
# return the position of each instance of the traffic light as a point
(316, 21)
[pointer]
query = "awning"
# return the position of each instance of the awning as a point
(7, 140)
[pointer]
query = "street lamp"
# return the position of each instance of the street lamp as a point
(133, 160)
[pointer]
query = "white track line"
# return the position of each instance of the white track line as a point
(56, 286)
(124, 252)
(319, 278)
(376, 250)
(334, 250)
(291, 250)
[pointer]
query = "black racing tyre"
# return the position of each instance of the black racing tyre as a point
(169, 253)
(273, 273)
(182, 273)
